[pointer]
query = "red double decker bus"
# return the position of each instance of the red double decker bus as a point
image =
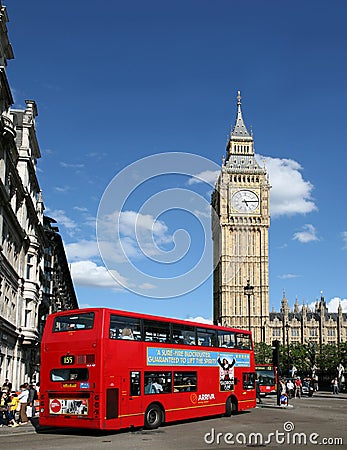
(106, 369)
(267, 376)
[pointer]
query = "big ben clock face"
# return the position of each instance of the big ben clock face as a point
(245, 201)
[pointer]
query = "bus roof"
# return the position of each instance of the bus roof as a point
(150, 317)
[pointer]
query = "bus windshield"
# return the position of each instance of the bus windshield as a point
(266, 375)
(84, 321)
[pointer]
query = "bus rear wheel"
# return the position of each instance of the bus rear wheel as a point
(230, 407)
(153, 417)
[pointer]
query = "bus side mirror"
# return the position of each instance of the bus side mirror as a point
(236, 380)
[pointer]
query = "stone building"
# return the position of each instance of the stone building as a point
(24, 240)
(240, 224)
(302, 324)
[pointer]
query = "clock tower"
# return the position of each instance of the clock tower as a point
(240, 225)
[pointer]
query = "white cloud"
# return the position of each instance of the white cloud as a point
(308, 234)
(333, 305)
(207, 176)
(288, 276)
(200, 319)
(87, 273)
(290, 193)
(83, 249)
(62, 189)
(132, 234)
(73, 166)
(131, 222)
(62, 219)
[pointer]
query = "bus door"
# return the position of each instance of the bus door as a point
(131, 395)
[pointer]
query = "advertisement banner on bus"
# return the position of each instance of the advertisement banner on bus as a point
(181, 357)
(68, 406)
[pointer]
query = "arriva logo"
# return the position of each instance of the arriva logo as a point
(205, 397)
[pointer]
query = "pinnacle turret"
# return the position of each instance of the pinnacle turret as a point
(240, 130)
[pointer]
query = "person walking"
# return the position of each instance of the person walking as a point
(4, 409)
(298, 386)
(13, 405)
(257, 390)
(290, 388)
(23, 401)
(335, 386)
(31, 398)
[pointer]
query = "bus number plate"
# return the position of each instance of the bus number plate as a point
(67, 360)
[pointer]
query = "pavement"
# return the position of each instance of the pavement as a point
(31, 426)
(271, 401)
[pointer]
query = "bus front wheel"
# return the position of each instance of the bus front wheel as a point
(230, 407)
(153, 417)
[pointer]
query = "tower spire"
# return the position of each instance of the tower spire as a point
(240, 129)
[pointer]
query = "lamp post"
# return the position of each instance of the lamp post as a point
(287, 335)
(249, 291)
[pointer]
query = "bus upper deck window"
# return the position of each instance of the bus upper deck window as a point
(243, 341)
(226, 339)
(75, 322)
(122, 327)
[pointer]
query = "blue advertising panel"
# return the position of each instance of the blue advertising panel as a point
(226, 362)
(184, 357)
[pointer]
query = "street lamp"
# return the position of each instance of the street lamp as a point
(248, 290)
(287, 333)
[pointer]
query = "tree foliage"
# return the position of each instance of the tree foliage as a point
(262, 353)
(304, 357)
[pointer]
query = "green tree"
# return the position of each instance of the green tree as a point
(262, 353)
(329, 358)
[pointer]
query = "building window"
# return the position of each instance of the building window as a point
(29, 266)
(295, 332)
(331, 332)
(276, 332)
(313, 332)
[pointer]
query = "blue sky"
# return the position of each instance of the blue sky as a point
(118, 82)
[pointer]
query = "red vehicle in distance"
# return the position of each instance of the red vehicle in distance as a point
(107, 369)
(267, 376)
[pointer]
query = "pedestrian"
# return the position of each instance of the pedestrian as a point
(315, 383)
(13, 405)
(298, 386)
(257, 390)
(4, 409)
(290, 388)
(23, 401)
(7, 386)
(31, 399)
(335, 385)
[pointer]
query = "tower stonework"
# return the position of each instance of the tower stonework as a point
(240, 225)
